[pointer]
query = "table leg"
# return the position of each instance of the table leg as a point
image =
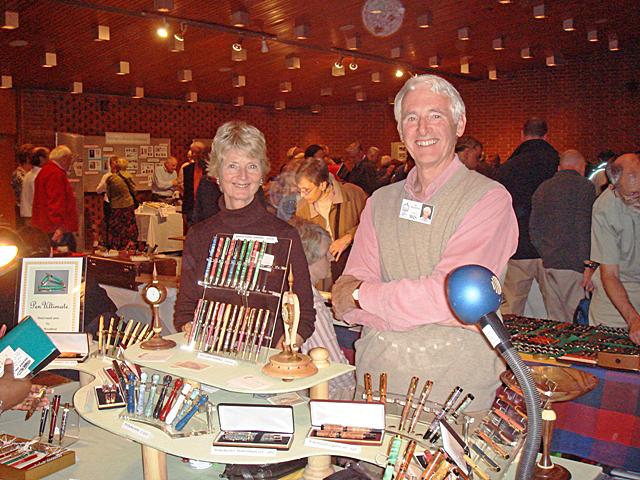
(154, 463)
(319, 466)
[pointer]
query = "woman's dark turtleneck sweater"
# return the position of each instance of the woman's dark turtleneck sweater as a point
(253, 220)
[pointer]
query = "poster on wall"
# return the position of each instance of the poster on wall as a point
(51, 291)
(146, 151)
(161, 151)
(147, 168)
(131, 153)
(94, 165)
(132, 166)
(94, 153)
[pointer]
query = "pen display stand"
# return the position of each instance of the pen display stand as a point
(242, 288)
(63, 436)
(22, 459)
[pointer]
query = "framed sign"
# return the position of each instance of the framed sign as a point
(52, 292)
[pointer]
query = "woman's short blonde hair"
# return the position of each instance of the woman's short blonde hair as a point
(121, 163)
(242, 136)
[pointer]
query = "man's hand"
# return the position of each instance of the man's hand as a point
(35, 395)
(12, 390)
(634, 330)
(586, 283)
(57, 235)
(298, 345)
(340, 245)
(186, 328)
(342, 295)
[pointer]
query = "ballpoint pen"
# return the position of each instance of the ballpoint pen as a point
(134, 334)
(146, 328)
(247, 344)
(426, 390)
(63, 420)
(43, 420)
(173, 413)
(462, 406)
(408, 402)
(234, 263)
(35, 402)
(453, 396)
(216, 260)
(148, 409)
(118, 337)
(256, 272)
(394, 453)
(227, 262)
(127, 331)
(188, 402)
(368, 388)
(108, 342)
(383, 387)
(184, 420)
(131, 394)
(406, 460)
(165, 384)
(100, 334)
(243, 252)
(54, 417)
(263, 329)
(141, 391)
(230, 328)
(252, 265)
(221, 260)
(212, 249)
(245, 263)
(223, 327)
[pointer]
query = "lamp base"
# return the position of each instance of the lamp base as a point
(289, 366)
(157, 343)
(556, 472)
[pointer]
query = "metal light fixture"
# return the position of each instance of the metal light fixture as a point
(592, 35)
(237, 46)
(315, 108)
(11, 20)
(464, 33)
(301, 31)
(353, 65)
(163, 30)
(337, 69)
(376, 77)
(238, 101)
(76, 88)
(554, 59)
(493, 73)
(614, 46)
(361, 96)
(435, 61)
(185, 75)
(103, 34)
(285, 87)
(137, 92)
(6, 81)
(179, 35)
(240, 18)
(238, 54)
(280, 105)
(292, 61)
(498, 43)
(122, 68)
(353, 42)
(50, 60)
(568, 25)
(163, 5)
(464, 65)
(425, 20)
(239, 81)
(176, 45)
(326, 91)
(539, 11)
(191, 97)
(10, 248)
(396, 52)
(399, 73)
(264, 47)
(526, 53)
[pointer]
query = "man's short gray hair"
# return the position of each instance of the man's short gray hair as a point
(438, 85)
(60, 152)
(311, 235)
(241, 136)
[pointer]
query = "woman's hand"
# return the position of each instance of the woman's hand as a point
(299, 342)
(13, 391)
(340, 245)
(186, 328)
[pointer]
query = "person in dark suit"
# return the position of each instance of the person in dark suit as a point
(192, 174)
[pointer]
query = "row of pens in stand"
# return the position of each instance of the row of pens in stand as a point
(238, 263)
(227, 328)
(121, 336)
(160, 401)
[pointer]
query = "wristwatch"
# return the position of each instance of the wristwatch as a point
(356, 296)
(591, 264)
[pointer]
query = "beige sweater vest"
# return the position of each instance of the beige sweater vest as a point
(448, 356)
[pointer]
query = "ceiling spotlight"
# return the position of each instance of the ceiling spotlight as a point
(337, 69)
(137, 92)
(614, 46)
(50, 60)
(102, 34)
(179, 35)
(464, 65)
(163, 5)
(326, 91)
(435, 61)
(353, 42)
(76, 87)
(425, 20)
(464, 33)
(122, 68)
(399, 73)
(238, 101)
(285, 87)
(239, 81)
(292, 61)
(539, 11)
(493, 73)
(568, 25)
(280, 105)
(191, 97)
(6, 81)
(240, 18)
(185, 75)
(163, 30)
(237, 46)
(526, 53)
(315, 108)
(361, 96)
(176, 45)
(592, 35)
(264, 48)
(338, 63)
(376, 77)
(11, 20)
(353, 66)
(301, 31)
(504, 2)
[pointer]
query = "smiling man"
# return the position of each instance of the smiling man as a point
(394, 281)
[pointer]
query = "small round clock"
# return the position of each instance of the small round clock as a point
(154, 293)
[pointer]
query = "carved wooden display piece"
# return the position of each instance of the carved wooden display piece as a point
(555, 384)
(290, 364)
(154, 294)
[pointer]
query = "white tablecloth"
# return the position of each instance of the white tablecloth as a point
(154, 229)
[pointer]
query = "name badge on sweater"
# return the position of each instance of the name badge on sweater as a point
(416, 211)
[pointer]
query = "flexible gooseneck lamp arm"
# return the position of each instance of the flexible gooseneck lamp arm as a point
(474, 294)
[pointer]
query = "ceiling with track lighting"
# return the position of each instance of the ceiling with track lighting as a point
(305, 53)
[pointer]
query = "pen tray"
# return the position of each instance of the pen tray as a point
(261, 426)
(196, 426)
(355, 415)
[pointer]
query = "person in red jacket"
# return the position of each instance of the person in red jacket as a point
(54, 204)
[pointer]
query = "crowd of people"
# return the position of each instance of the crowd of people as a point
(383, 234)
